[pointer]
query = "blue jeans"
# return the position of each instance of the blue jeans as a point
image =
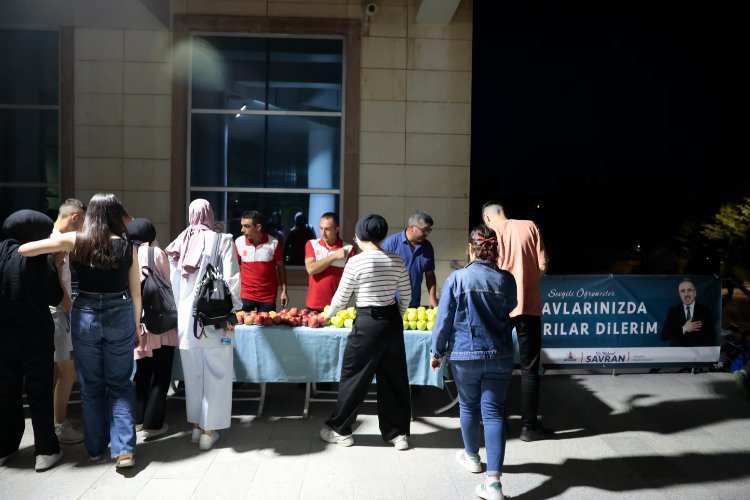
(482, 386)
(103, 333)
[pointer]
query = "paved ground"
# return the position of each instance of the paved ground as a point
(634, 435)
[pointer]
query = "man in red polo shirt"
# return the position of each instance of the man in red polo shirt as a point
(261, 265)
(325, 259)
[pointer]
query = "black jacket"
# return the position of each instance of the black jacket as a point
(28, 286)
(672, 330)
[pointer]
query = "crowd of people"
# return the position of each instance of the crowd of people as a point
(124, 370)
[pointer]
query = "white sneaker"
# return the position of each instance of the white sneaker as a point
(152, 433)
(330, 436)
(400, 442)
(44, 462)
(489, 491)
(207, 442)
(66, 434)
(195, 436)
(471, 463)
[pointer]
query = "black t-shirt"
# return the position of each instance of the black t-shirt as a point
(91, 279)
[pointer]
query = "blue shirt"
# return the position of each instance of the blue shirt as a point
(418, 260)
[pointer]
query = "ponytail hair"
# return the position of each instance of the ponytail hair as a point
(483, 242)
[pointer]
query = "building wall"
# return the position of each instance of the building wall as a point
(415, 131)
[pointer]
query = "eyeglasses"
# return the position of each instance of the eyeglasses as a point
(425, 230)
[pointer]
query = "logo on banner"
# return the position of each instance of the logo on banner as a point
(607, 357)
(570, 356)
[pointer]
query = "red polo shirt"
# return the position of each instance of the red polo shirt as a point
(258, 277)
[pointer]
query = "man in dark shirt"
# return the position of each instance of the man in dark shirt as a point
(299, 235)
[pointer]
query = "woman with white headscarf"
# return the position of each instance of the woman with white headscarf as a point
(207, 362)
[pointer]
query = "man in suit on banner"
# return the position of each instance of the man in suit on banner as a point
(689, 324)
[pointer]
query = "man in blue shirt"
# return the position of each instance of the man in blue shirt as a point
(419, 257)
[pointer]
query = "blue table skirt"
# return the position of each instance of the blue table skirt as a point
(301, 354)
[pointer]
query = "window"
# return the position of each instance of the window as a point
(294, 146)
(265, 125)
(29, 121)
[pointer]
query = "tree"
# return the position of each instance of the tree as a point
(729, 233)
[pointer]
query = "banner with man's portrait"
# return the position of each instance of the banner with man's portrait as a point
(610, 321)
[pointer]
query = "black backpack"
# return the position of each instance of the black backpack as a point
(159, 308)
(213, 300)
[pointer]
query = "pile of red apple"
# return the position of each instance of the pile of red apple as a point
(290, 317)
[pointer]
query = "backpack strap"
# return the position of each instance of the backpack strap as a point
(214, 262)
(151, 263)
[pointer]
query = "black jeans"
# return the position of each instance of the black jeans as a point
(375, 347)
(251, 305)
(529, 332)
(152, 377)
(37, 368)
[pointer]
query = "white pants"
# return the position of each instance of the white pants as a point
(208, 386)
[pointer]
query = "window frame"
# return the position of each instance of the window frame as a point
(186, 25)
(65, 115)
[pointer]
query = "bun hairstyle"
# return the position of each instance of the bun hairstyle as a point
(371, 227)
(483, 242)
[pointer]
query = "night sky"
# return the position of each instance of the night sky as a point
(620, 122)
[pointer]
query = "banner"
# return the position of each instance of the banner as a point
(625, 321)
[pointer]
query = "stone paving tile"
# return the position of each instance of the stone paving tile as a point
(631, 436)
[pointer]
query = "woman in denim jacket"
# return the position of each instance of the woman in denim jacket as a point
(473, 328)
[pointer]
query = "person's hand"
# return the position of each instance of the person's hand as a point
(284, 299)
(137, 336)
(230, 327)
(693, 326)
(435, 363)
(341, 253)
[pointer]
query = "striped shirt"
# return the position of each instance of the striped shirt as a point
(374, 275)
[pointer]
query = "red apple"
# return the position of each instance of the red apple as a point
(248, 320)
(263, 314)
(258, 321)
(277, 319)
(313, 322)
(268, 321)
(293, 311)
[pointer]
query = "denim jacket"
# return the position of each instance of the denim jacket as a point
(473, 319)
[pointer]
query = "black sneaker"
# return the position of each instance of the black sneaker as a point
(536, 433)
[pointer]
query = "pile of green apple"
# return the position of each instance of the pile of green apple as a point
(419, 318)
(342, 319)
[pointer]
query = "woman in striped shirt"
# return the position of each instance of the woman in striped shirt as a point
(375, 346)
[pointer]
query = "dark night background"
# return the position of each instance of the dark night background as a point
(610, 125)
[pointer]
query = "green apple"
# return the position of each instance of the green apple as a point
(421, 313)
(412, 325)
(348, 322)
(337, 321)
(421, 325)
(406, 325)
(431, 314)
(430, 325)
(352, 312)
(411, 314)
